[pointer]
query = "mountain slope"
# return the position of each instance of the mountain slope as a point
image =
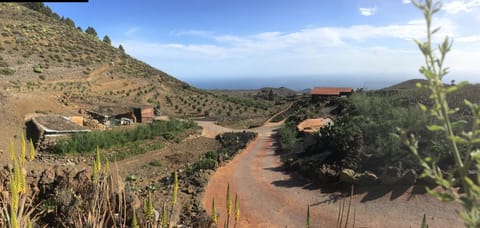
(47, 65)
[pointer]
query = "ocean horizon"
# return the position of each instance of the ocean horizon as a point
(296, 82)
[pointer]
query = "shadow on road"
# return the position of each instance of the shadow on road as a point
(337, 190)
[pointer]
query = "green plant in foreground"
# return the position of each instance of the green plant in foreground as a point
(134, 220)
(229, 205)
(148, 209)
(17, 209)
(174, 195)
(97, 166)
(464, 146)
(214, 212)
(236, 210)
(164, 220)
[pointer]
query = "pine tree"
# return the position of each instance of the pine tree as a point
(69, 22)
(91, 31)
(107, 40)
(120, 47)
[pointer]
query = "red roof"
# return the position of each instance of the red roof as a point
(330, 90)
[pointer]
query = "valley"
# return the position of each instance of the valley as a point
(94, 137)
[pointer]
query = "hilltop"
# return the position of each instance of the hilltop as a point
(406, 85)
(47, 65)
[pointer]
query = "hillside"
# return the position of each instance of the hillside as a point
(405, 85)
(47, 65)
(281, 92)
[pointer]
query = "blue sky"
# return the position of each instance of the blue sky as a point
(197, 40)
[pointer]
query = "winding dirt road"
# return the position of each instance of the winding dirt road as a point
(270, 197)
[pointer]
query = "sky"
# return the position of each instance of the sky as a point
(200, 41)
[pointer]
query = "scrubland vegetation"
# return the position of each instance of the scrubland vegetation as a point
(431, 128)
(378, 133)
(87, 142)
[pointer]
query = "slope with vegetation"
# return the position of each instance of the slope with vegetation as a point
(47, 65)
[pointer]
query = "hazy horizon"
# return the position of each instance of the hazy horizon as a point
(291, 82)
(309, 81)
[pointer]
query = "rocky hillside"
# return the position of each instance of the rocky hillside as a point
(47, 65)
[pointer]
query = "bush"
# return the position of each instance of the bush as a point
(203, 164)
(211, 155)
(155, 162)
(7, 71)
(38, 69)
(287, 136)
(87, 142)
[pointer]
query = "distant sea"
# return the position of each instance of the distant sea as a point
(298, 82)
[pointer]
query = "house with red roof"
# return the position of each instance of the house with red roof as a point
(321, 93)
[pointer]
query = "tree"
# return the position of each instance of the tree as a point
(271, 96)
(107, 40)
(91, 31)
(120, 47)
(69, 22)
(41, 8)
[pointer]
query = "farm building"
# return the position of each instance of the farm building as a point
(320, 93)
(143, 113)
(111, 116)
(45, 130)
(310, 126)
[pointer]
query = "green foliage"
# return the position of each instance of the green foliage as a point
(120, 47)
(148, 209)
(203, 164)
(287, 135)
(38, 69)
(211, 155)
(69, 22)
(41, 8)
(91, 31)
(134, 223)
(155, 162)
(214, 212)
(7, 71)
(463, 143)
(107, 40)
(87, 142)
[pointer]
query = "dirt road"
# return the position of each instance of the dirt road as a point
(270, 197)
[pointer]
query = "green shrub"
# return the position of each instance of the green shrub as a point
(155, 162)
(212, 154)
(203, 164)
(87, 142)
(7, 71)
(38, 69)
(287, 135)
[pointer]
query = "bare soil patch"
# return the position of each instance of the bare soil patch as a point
(271, 197)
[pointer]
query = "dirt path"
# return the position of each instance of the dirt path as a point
(269, 197)
(278, 113)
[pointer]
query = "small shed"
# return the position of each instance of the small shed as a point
(45, 130)
(111, 115)
(320, 93)
(310, 126)
(143, 113)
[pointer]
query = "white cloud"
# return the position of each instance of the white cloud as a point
(468, 39)
(459, 6)
(131, 32)
(368, 11)
(197, 33)
(358, 49)
(406, 1)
